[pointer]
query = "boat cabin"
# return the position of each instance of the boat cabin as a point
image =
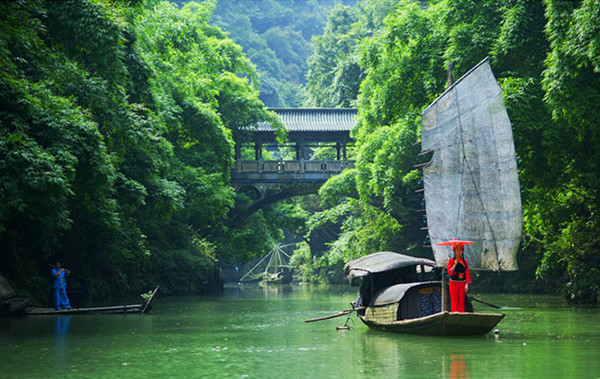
(405, 301)
(384, 269)
(396, 287)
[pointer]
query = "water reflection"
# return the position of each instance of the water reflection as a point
(252, 290)
(61, 330)
(277, 290)
(458, 367)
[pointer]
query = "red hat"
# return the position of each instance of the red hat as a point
(455, 243)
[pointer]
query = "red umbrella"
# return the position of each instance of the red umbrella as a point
(454, 242)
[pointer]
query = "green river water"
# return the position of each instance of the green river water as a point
(256, 332)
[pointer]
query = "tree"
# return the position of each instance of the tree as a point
(572, 86)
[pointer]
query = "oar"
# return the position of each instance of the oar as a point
(342, 313)
(483, 302)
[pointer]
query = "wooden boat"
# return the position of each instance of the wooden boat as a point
(141, 308)
(442, 324)
(399, 293)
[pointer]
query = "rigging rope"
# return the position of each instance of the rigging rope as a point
(275, 260)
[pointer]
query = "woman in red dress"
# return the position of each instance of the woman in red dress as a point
(460, 278)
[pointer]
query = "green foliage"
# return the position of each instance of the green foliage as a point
(377, 198)
(331, 61)
(571, 84)
(252, 239)
(471, 29)
(339, 187)
(116, 142)
(334, 72)
(367, 230)
(92, 31)
(307, 267)
(190, 270)
(521, 46)
(57, 175)
(405, 67)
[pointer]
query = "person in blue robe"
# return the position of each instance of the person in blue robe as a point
(61, 301)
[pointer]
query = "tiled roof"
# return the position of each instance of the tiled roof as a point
(314, 119)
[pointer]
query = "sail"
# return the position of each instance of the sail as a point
(471, 184)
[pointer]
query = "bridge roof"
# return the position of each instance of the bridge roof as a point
(314, 119)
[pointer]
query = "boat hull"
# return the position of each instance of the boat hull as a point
(135, 308)
(441, 324)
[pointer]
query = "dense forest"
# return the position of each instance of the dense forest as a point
(116, 141)
(117, 122)
(275, 36)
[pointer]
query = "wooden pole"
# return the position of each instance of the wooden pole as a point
(342, 313)
(444, 293)
(484, 302)
(347, 311)
(150, 299)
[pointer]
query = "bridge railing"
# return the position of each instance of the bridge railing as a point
(282, 166)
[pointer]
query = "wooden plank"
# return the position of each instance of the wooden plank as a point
(342, 313)
(110, 309)
(149, 302)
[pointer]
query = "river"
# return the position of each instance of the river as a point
(255, 332)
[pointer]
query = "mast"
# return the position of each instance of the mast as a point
(444, 305)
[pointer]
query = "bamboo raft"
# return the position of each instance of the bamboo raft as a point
(144, 307)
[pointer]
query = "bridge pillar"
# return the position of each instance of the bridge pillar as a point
(258, 150)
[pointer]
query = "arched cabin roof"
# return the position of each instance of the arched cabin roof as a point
(381, 262)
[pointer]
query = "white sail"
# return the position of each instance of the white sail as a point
(471, 184)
